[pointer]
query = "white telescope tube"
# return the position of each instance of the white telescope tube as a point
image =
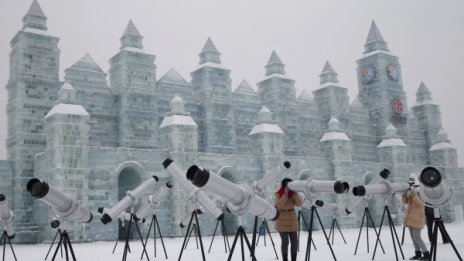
(271, 176)
(153, 201)
(123, 216)
(312, 187)
(6, 217)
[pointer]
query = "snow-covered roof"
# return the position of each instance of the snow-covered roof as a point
(334, 136)
(333, 84)
(185, 120)
(87, 62)
(266, 127)
(277, 75)
(441, 146)
(305, 96)
(68, 109)
(419, 103)
(36, 31)
(391, 142)
(133, 49)
(245, 87)
(172, 76)
(210, 64)
(376, 52)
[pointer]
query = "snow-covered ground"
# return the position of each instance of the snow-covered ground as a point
(101, 251)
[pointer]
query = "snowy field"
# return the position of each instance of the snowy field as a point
(102, 250)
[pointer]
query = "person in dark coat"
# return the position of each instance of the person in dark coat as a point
(429, 219)
(287, 222)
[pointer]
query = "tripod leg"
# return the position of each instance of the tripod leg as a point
(253, 241)
(323, 230)
(380, 230)
(58, 246)
(141, 240)
(224, 235)
(402, 236)
(11, 247)
(446, 235)
(390, 224)
(161, 236)
(146, 240)
(253, 258)
(126, 244)
(184, 244)
(233, 244)
(53, 242)
(360, 230)
(433, 247)
(241, 247)
(272, 241)
(214, 234)
(339, 230)
(3, 241)
(68, 242)
(392, 227)
(199, 236)
(375, 230)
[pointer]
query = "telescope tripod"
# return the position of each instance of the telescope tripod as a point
(154, 223)
(332, 230)
(3, 240)
(438, 224)
(195, 226)
(58, 232)
(224, 235)
(242, 234)
(394, 235)
(265, 227)
(124, 235)
(301, 216)
(126, 244)
(367, 216)
(310, 234)
(66, 242)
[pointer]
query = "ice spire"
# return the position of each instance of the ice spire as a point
(423, 94)
(87, 62)
(209, 53)
(334, 132)
(67, 94)
(328, 74)
(35, 18)
(391, 138)
(274, 65)
(265, 123)
(375, 40)
(131, 37)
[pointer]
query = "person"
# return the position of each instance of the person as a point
(414, 219)
(287, 222)
(429, 219)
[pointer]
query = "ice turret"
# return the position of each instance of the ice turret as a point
(375, 40)
(423, 95)
(334, 132)
(274, 65)
(245, 87)
(266, 135)
(328, 75)
(131, 37)
(209, 54)
(35, 18)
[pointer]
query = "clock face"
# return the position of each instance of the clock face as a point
(368, 74)
(397, 105)
(392, 73)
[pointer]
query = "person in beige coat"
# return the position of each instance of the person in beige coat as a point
(287, 222)
(414, 219)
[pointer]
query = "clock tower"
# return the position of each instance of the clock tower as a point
(380, 84)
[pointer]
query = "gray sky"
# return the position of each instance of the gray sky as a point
(428, 37)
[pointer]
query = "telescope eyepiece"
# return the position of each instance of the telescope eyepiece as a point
(430, 177)
(198, 176)
(341, 187)
(319, 203)
(100, 210)
(105, 219)
(384, 173)
(2, 197)
(287, 164)
(359, 191)
(37, 188)
(169, 185)
(155, 177)
(167, 162)
(55, 223)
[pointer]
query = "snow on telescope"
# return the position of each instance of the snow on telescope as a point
(6, 217)
(129, 200)
(195, 194)
(240, 198)
(62, 206)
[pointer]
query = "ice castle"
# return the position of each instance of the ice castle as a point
(96, 135)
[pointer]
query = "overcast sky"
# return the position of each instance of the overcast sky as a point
(428, 36)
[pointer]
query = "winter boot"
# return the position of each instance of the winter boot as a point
(284, 258)
(293, 257)
(426, 256)
(418, 256)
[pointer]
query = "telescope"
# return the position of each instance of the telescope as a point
(312, 187)
(153, 202)
(193, 193)
(123, 216)
(187, 218)
(131, 197)
(308, 202)
(271, 176)
(434, 191)
(6, 217)
(62, 206)
(240, 198)
(382, 186)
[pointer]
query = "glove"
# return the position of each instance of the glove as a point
(286, 191)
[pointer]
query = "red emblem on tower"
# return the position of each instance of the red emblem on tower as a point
(397, 105)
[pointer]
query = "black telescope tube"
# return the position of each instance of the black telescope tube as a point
(430, 177)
